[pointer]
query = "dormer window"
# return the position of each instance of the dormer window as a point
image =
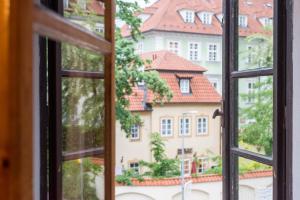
(266, 22)
(205, 17)
(185, 86)
(220, 17)
(243, 21)
(188, 16)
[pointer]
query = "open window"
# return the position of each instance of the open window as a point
(76, 99)
(262, 77)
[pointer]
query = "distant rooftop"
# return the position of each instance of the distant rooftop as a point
(172, 68)
(164, 15)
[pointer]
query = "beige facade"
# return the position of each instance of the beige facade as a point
(205, 145)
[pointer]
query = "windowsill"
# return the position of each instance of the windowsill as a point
(202, 134)
(135, 140)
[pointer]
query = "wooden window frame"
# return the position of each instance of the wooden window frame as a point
(52, 24)
(282, 133)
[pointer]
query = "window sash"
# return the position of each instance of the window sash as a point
(52, 25)
(166, 127)
(134, 131)
(185, 127)
(194, 51)
(185, 85)
(174, 47)
(213, 52)
(230, 75)
(202, 125)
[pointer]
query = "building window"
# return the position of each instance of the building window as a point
(266, 22)
(205, 17)
(251, 87)
(187, 167)
(185, 126)
(189, 16)
(194, 49)
(134, 166)
(212, 52)
(134, 132)
(185, 86)
(99, 27)
(202, 165)
(202, 126)
(166, 127)
(243, 21)
(173, 47)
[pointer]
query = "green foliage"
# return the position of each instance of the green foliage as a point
(244, 165)
(217, 169)
(127, 176)
(162, 166)
(79, 179)
(259, 131)
(128, 68)
(127, 73)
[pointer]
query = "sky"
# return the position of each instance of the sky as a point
(142, 3)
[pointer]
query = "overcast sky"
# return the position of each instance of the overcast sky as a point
(141, 2)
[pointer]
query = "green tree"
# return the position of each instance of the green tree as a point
(82, 99)
(79, 179)
(162, 165)
(128, 73)
(259, 128)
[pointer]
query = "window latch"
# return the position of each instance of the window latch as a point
(219, 113)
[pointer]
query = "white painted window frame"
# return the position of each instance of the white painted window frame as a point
(135, 168)
(217, 52)
(243, 21)
(184, 84)
(135, 130)
(187, 128)
(200, 126)
(203, 160)
(166, 129)
(172, 49)
(191, 51)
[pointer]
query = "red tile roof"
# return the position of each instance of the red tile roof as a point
(171, 68)
(200, 179)
(164, 16)
(165, 60)
(94, 6)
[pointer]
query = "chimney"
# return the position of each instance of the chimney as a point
(154, 56)
(145, 89)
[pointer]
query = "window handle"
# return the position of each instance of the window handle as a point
(217, 113)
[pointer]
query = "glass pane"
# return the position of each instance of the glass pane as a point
(83, 179)
(88, 14)
(255, 180)
(255, 24)
(255, 114)
(82, 113)
(75, 58)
